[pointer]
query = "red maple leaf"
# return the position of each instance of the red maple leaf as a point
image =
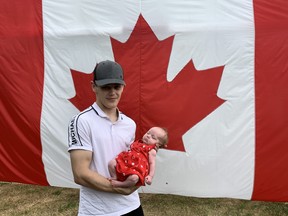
(148, 98)
(84, 95)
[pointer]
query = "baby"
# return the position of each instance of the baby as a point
(137, 166)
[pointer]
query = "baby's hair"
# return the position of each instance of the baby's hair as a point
(164, 139)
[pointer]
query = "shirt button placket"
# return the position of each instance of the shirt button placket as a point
(112, 133)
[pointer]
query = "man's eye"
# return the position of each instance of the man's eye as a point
(117, 87)
(105, 88)
(109, 87)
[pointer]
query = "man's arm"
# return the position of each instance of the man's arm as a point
(83, 175)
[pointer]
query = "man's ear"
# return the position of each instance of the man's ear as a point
(93, 86)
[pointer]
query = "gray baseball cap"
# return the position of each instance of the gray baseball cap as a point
(108, 72)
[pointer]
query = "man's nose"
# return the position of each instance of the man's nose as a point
(112, 90)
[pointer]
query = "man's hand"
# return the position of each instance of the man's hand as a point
(125, 191)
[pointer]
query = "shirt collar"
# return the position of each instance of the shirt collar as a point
(102, 114)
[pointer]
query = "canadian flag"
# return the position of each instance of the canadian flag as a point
(214, 73)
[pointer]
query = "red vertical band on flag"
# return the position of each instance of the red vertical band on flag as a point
(271, 78)
(21, 78)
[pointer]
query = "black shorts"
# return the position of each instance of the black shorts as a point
(136, 212)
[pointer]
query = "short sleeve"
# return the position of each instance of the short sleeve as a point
(79, 134)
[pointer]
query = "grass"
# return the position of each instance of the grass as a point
(32, 200)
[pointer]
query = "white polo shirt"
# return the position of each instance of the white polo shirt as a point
(92, 130)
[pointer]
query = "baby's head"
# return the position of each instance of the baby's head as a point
(156, 135)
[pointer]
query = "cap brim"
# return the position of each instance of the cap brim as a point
(109, 81)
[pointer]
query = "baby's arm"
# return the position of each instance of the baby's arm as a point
(152, 163)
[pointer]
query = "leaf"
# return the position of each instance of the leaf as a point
(84, 95)
(148, 97)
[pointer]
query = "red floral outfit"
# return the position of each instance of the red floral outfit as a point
(135, 161)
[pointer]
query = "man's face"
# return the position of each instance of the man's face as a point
(108, 96)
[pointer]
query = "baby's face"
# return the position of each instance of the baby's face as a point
(152, 136)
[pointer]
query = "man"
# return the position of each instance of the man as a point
(97, 135)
